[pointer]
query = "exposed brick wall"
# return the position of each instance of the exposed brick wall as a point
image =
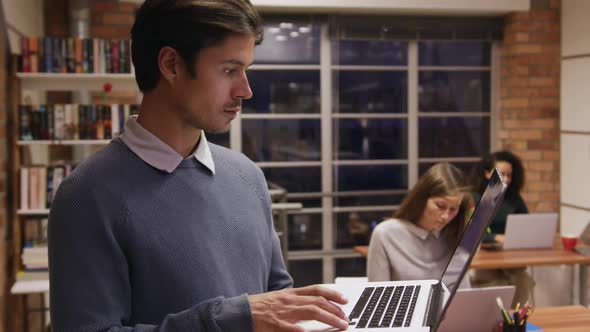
(57, 24)
(111, 19)
(529, 99)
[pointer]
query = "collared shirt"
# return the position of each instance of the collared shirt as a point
(158, 154)
(400, 250)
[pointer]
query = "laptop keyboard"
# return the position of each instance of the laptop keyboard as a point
(385, 307)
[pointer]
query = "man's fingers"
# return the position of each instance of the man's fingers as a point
(322, 303)
(312, 312)
(317, 290)
(285, 326)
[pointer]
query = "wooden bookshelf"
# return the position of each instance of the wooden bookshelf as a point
(65, 142)
(72, 82)
(26, 294)
(31, 212)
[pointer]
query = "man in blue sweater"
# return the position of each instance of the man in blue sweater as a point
(161, 230)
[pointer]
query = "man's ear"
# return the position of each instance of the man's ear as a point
(168, 63)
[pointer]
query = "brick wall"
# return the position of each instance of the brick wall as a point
(111, 18)
(529, 99)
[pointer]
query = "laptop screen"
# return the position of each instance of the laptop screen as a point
(471, 237)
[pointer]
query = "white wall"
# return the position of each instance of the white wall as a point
(23, 17)
(575, 116)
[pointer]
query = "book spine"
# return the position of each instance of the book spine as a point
(34, 54)
(107, 122)
(24, 113)
(25, 56)
(59, 118)
(78, 54)
(49, 189)
(50, 122)
(24, 188)
(107, 56)
(115, 120)
(85, 56)
(48, 54)
(43, 122)
(75, 122)
(95, 56)
(35, 123)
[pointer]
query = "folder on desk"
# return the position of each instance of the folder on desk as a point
(533, 327)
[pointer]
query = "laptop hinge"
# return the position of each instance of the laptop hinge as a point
(433, 305)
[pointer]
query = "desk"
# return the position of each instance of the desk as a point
(575, 318)
(536, 257)
(523, 258)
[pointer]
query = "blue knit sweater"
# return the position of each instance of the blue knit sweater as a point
(133, 248)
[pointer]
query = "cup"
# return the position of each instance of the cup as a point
(569, 241)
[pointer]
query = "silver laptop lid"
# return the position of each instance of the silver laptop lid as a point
(459, 263)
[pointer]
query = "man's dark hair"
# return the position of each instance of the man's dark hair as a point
(488, 163)
(188, 26)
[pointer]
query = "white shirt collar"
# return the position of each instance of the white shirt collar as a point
(158, 154)
(421, 232)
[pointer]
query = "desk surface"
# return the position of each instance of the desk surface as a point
(574, 318)
(517, 258)
(520, 258)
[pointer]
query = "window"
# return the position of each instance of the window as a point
(346, 126)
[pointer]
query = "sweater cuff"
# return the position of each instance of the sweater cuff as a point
(234, 314)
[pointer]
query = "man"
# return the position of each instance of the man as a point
(161, 230)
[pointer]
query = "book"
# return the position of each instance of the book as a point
(24, 188)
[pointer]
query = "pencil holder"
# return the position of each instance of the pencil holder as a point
(513, 328)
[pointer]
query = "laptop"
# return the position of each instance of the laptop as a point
(585, 237)
(415, 305)
(475, 309)
(530, 231)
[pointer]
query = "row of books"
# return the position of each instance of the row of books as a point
(32, 275)
(34, 255)
(74, 55)
(38, 185)
(73, 121)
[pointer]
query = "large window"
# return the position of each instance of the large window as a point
(347, 126)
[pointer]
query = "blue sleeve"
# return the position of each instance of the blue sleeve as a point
(89, 272)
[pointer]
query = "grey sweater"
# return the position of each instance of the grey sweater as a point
(133, 248)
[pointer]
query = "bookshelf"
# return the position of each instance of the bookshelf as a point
(85, 122)
(70, 81)
(64, 142)
(32, 212)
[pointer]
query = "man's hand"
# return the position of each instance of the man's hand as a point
(280, 310)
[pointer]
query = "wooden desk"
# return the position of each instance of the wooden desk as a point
(501, 259)
(522, 258)
(574, 318)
